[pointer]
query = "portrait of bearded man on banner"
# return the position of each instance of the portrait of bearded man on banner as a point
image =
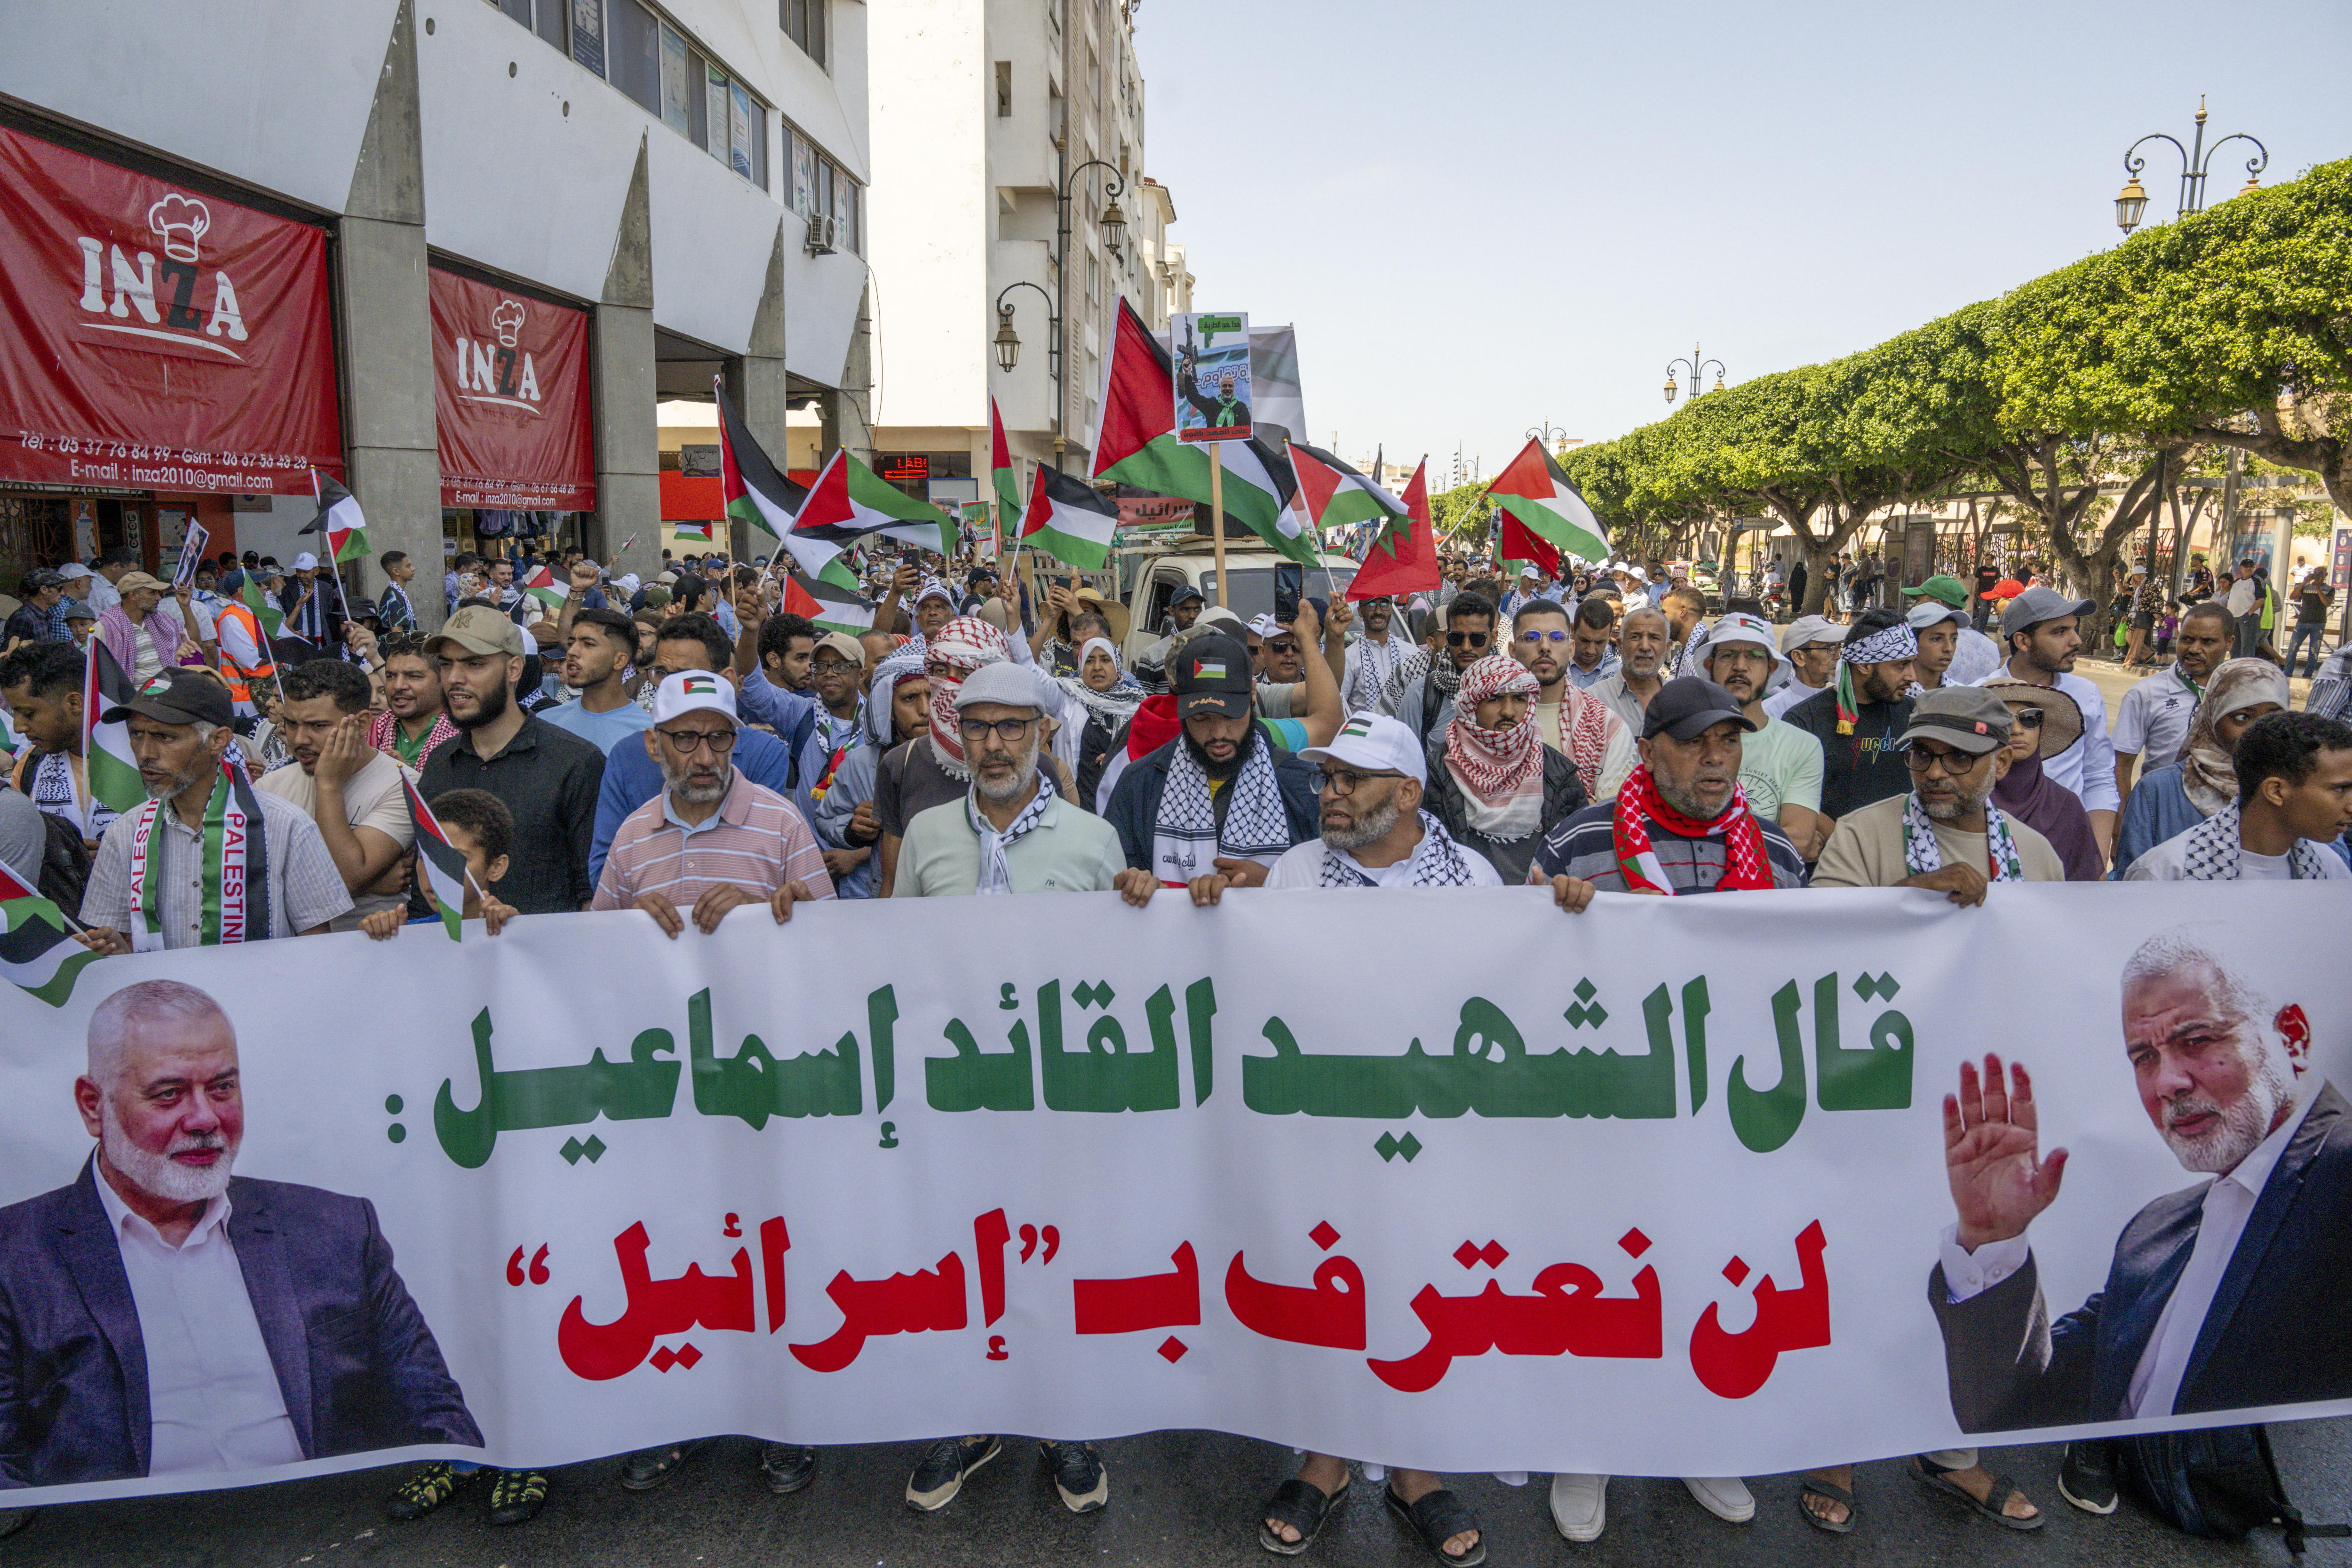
(159, 1315)
(2232, 1294)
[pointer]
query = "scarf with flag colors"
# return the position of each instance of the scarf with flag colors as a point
(37, 952)
(1746, 862)
(1402, 557)
(111, 771)
(1004, 475)
(339, 519)
(443, 865)
(850, 500)
(1135, 443)
(234, 875)
(760, 498)
(1068, 520)
(1533, 492)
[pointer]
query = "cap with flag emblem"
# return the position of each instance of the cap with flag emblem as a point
(1212, 675)
(692, 690)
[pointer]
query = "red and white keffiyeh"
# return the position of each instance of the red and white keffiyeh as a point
(1500, 770)
(964, 645)
(1746, 863)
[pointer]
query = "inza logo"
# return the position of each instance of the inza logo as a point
(178, 224)
(500, 373)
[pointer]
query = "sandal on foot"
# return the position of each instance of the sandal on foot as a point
(1303, 1506)
(1990, 1505)
(516, 1495)
(1828, 1491)
(1437, 1517)
(427, 1488)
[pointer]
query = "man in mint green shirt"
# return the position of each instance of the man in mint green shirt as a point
(1779, 764)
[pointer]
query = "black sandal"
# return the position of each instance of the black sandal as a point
(1437, 1517)
(1990, 1505)
(1303, 1506)
(1828, 1491)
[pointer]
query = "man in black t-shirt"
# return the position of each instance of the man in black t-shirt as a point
(1987, 575)
(1860, 719)
(2311, 601)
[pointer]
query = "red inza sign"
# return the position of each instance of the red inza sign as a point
(157, 339)
(510, 398)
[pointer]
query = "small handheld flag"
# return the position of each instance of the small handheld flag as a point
(114, 772)
(339, 519)
(37, 952)
(444, 865)
(1068, 520)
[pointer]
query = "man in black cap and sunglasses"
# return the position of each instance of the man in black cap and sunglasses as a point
(1420, 693)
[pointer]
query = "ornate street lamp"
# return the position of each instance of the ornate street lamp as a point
(2195, 161)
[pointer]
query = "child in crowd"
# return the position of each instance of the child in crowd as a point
(479, 827)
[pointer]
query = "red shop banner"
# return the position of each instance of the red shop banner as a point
(157, 339)
(510, 398)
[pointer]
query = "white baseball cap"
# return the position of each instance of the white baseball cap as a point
(1265, 625)
(72, 570)
(1374, 743)
(1932, 612)
(688, 690)
(1738, 626)
(306, 561)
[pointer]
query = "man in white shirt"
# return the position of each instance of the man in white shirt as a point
(2042, 630)
(1374, 657)
(218, 1285)
(2245, 603)
(1813, 644)
(2155, 716)
(355, 796)
(2294, 799)
(2221, 1066)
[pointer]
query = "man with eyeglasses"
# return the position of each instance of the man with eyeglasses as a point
(1811, 644)
(1419, 696)
(1593, 637)
(1577, 725)
(1643, 638)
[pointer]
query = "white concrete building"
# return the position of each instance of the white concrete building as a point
(984, 112)
(691, 174)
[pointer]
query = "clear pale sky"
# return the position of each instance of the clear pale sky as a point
(1483, 215)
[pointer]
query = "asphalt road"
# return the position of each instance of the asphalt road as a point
(1178, 1499)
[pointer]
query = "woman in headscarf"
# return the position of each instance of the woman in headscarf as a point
(1097, 702)
(2169, 800)
(1494, 783)
(897, 709)
(2047, 723)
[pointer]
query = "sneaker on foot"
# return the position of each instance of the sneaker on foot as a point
(2087, 1479)
(427, 1488)
(945, 1464)
(1579, 1506)
(516, 1495)
(1079, 1476)
(1725, 1497)
(787, 1467)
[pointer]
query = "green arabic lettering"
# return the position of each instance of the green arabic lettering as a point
(1765, 1119)
(974, 1079)
(641, 1088)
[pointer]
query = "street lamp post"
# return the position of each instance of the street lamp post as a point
(1697, 366)
(1556, 436)
(2196, 160)
(1007, 342)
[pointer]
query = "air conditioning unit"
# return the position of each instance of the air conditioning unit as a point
(823, 234)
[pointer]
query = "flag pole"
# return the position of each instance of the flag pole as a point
(1217, 515)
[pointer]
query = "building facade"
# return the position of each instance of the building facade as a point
(479, 242)
(986, 113)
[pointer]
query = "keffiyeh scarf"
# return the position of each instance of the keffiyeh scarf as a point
(1113, 707)
(1746, 863)
(964, 644)
(2213, 850)
(1445, 677)
(995, 876)
(882, 693)
(2208, 772)
(1922, 854)
(1893, 643)
(1184, 837)
(1437, 862)
(1500, 772)
(234, 843)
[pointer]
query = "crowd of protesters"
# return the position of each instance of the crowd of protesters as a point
(1600, 731)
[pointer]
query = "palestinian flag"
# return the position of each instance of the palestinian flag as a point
(106, 748)
(339, 519)
(1154, 725)
(541, 585)
(850, 500)
(1533, 490)
(1136, 444)
(440, 862)
(1402, 558)
(37, 952)
(264, 608)
(834, 603)
(1068, 521)
(1003, 473)
(693, 532)
(762, 499)
(1337, 496)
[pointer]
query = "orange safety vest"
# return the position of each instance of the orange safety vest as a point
(239, 677)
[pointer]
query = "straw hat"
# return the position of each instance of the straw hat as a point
(2062, 720)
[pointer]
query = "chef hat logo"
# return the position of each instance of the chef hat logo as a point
(179, 222)
(506, 322)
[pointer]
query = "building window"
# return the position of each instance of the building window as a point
(803, 23)
(1005, 90)
(805, 171)
(637, 54)
(678, 82)
(588, 34)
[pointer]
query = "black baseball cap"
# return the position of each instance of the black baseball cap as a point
(1689, 707)
(1184, 595)
(1212, 675)
(176, 697)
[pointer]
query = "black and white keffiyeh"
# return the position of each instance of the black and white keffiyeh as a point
(995, 876)
(1895, 642)
(1445, 676)
(1922, 854)
(1437, 862)
(1184, 837)
(2213, 847)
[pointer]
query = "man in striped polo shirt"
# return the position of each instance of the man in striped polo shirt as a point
(712, 839)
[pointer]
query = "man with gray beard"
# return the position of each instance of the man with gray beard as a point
(162, 1314)
(2234, 1293)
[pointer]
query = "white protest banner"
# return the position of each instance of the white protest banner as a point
(1448, 1179)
